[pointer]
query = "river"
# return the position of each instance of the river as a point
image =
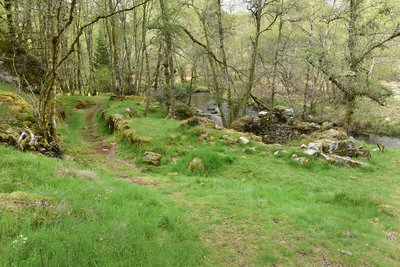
(204, 101)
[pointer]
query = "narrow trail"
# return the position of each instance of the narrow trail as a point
(105, 152)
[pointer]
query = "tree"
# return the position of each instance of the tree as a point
(370, 26)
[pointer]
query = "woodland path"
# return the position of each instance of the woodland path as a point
(228, 236)
(104, 152)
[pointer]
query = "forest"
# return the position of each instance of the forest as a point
(199, 132)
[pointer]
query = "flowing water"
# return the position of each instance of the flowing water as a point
(386, 141)
(204, 101)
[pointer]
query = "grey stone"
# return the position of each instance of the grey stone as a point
(244, 140)
(151, 158)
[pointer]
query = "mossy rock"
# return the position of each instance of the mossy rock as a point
(83, 104)
(131, 113)
(197, 166)
(15, 103)
(132, 137)
(15, 111)
(183, 111)
(331, 134)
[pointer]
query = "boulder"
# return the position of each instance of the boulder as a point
(344, 148)
(305, 127)
(196, 165)
(315, 146)
(344, 161)
(151, 158)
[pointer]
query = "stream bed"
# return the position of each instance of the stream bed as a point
(204, 101)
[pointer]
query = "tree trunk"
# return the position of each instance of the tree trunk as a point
(276, 56)
(168, 60)
(350, 107)
(231, 106)
(9, 16)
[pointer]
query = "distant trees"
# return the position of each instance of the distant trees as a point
(368, 28)
(285, 52)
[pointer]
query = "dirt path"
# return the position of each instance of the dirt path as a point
(105, 152)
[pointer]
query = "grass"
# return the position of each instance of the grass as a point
(6, 87)
(259, 209)
(248, 209)
(88, 222)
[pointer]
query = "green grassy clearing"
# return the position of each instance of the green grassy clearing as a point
(248, 208)
(77, 217)
(259, 209)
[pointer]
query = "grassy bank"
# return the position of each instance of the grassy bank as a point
(258, 209)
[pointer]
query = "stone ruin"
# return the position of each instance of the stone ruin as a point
(279, 126)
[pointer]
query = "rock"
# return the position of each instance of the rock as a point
(349, 234)
(343, 161)
(301, 160)
(196, 165)
(331, 134)
(257, 138)
(83, 104)
(218, 127)
(152, 158)
(303, 146)
(69, 158)
(183, 111)
(196, 121)
(203, 137)
(244, 140)
(279, 152)
(263, 113)
(131, 113)
(247, 124)
(346, 253)
(363, 152)
(288, 112)
(344, 148)
(312, 152)
(326, 126)
(225, 137)
(304, 127)
(315, 146)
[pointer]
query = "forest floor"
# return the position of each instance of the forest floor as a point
(106, 207)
